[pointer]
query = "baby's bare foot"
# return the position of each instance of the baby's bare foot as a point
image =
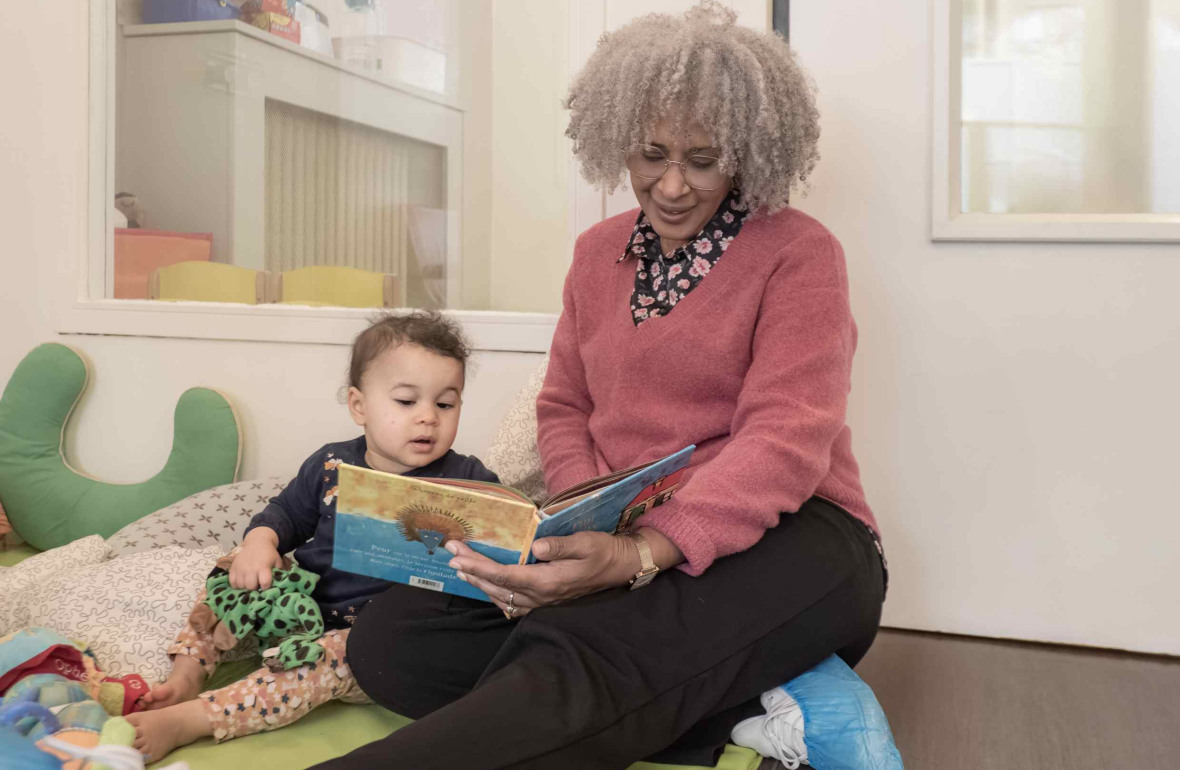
(160, 731)
(183, 684)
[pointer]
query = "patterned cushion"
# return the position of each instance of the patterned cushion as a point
(23, 578)
(128, 609)
(513, 455)
(216, 516)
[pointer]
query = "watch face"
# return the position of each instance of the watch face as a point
(643, 578)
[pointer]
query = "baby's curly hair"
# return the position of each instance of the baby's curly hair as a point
(426, 328)
(744, 87)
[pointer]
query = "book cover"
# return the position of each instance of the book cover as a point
(395, 527)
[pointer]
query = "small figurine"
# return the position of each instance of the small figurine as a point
(129, 206)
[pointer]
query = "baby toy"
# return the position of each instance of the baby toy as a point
(47, 721)
(32, 652)
(283, 615)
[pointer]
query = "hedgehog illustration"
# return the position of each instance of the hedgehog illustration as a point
(430, 526)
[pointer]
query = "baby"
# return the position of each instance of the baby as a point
(405, 389)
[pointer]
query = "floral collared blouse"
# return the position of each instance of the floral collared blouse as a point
(662, 281)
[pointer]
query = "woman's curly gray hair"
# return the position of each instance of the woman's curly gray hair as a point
(743, 87)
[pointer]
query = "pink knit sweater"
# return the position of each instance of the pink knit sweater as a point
(752, 366)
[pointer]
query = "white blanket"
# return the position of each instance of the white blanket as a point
(128, 609)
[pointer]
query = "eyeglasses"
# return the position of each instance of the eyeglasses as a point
(700, 172)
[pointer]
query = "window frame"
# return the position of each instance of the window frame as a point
(950, 223)
(82, 306)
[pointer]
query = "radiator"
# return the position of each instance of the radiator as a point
(336, 193)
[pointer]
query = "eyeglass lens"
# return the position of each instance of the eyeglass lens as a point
(701, 172)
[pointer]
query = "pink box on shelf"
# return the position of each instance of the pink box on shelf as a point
(138, 253)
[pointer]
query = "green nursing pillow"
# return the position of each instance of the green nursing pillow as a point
(50, 503)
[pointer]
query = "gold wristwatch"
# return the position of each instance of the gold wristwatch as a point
(647, 565)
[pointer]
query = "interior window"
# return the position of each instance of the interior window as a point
(1070, 107)
(336, 152)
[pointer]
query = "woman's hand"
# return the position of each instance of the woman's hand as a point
(259, 556)
(571, 566)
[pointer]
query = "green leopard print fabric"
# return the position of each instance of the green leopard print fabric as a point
(284, 616)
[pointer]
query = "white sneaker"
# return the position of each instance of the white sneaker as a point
(778, 733)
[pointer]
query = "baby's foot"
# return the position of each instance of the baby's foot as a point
(183, 684)
(160, 731)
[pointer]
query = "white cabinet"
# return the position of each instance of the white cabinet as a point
(192, 143)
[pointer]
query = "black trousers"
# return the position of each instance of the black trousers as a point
(663, 672)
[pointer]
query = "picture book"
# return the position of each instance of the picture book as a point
(395, 527)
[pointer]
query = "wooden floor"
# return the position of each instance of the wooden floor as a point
(958, 703)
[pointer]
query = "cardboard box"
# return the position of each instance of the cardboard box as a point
(276, 24)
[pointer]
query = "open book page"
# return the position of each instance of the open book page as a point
(560, 500)
(616, 506)
(562, 503)
(486, 488)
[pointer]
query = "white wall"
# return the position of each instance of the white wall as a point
(530, 154)
(478, 192)
(1014, 406)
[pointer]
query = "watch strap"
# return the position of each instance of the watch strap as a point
(647, 564)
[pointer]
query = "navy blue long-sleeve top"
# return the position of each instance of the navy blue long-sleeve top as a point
(303, 515)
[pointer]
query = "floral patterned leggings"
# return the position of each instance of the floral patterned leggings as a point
(267, 700)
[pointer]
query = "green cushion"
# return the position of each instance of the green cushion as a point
(49, 503)
(335, 729)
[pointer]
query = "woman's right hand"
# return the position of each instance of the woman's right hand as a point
(258, 557)
(569, 567)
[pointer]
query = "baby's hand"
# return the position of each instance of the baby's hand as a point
(253, 564)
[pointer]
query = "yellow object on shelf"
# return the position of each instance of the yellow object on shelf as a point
(336, 287)
(208, 282)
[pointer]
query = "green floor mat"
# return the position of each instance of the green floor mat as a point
(332, 730)
(10, 557)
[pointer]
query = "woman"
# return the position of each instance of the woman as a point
(714, 316)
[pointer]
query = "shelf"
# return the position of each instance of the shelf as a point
(232, 25)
